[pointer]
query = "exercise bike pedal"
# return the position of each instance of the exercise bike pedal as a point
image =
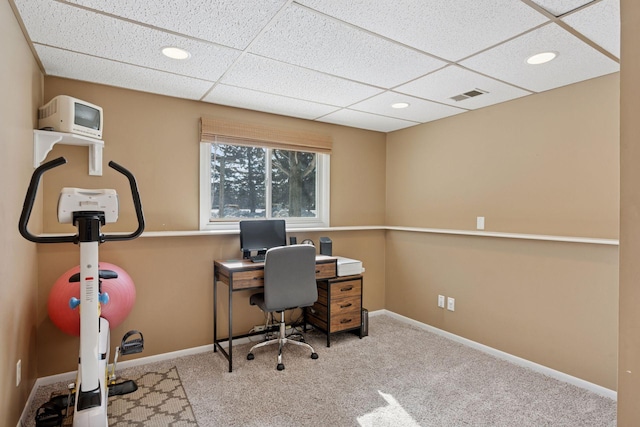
(125, 387)
(49, 415)
(132, 343)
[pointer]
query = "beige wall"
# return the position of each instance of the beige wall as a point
(21, 88)
(629, 346)
(545, 164)
(156, 137)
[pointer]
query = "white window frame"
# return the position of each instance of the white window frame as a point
(322, 190)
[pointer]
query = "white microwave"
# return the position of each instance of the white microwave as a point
(67, 114)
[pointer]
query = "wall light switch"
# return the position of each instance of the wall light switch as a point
(480, 223)
(451, 304)
(441, 301)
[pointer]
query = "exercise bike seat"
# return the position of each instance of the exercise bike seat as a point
(102, 274)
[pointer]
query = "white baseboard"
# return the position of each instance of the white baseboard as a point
(71, 376)
(561, 376)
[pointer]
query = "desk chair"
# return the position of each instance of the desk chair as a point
(289, 282)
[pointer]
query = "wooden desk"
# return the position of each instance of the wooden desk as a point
(242, 274)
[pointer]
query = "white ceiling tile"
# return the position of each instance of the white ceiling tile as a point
(443, 84)
(560, 7)
(63, 63)
(316, 56)
(78, 30)
(575, 62)
(314, 41)
(449, 29)
(600, 23)
(259, 101)
(266, 75)
(233, 23)
(419, 110)
(369, 121)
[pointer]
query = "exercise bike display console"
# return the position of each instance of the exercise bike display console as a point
(88, 210)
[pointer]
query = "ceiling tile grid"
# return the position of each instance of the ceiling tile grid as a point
(362, 120)
(560, 7)
(419, 110)
(233, 23)
(310, 40)
(78, 30)
(576, 61)
(453, 80)
(600, 23)
(269, 103)
(449, 29)
(266, 75)
(98, 70)
(333, 61)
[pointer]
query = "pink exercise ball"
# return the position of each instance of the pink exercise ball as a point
(121, 291)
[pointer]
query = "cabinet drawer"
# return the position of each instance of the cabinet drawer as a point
(345, 305)
(248, 279)
(317, 320)
(326, 270)
(346, 320)
(346, 289)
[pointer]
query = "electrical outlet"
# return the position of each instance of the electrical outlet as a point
(441, 301)
(451, 304)
(480, 223)
(18, 372)
(258, 328)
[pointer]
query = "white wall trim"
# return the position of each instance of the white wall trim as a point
(561, 376)
(494, 234)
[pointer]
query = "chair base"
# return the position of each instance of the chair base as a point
(281, 341)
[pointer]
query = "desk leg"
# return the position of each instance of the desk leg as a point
(215, 313)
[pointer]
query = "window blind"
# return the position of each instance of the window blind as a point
(257, 135)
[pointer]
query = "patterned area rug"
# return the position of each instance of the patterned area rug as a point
(159, 401)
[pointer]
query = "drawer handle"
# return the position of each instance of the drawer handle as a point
(257, 278)
(317, 271)
(348, 288)
(346, 305)
(345, 320)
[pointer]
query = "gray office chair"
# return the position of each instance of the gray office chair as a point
(289, 282)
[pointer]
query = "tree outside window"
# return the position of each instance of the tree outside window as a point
(256, 182)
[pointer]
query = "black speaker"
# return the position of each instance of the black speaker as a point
(325, 246)
(293, 240)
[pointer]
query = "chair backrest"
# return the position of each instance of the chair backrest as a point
(290, 277)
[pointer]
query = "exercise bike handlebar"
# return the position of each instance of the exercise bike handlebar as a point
(136, 204)
(30, 198)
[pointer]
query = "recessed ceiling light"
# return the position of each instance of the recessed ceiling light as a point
(541, 58)
(400, 105)
(175, 52)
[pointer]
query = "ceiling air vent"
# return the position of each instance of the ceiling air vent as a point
(470, 94)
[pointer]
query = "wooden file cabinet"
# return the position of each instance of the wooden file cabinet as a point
(339, 306)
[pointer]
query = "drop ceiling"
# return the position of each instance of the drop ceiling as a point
(334, 61)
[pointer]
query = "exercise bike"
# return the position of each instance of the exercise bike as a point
(88, 210)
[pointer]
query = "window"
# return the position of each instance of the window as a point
(243, 179)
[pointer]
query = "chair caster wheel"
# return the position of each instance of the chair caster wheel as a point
(314, 355)
(280, 367)
(250, 356)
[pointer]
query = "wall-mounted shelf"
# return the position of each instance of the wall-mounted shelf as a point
(44, 140)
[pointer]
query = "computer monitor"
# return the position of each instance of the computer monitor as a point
(260, 235)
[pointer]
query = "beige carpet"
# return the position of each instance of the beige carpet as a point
(399, 375)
